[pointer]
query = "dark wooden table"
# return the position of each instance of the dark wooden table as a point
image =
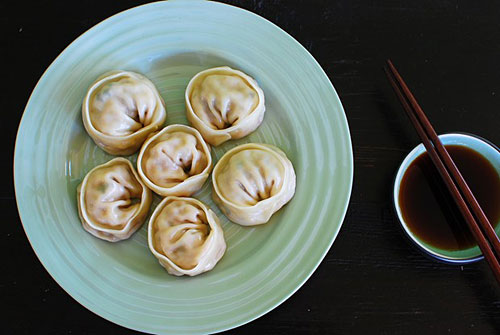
(372, 280)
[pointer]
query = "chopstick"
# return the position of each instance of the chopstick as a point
(481, 229)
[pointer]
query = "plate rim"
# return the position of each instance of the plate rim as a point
(349, 153)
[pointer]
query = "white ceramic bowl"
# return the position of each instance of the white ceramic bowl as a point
(489, 151)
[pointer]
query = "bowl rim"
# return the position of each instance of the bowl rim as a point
(406, 162)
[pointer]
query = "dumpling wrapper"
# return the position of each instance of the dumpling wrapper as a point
(120, 110)
(223, 104)
(112, 201)
(175, 161)
(185, 236)
(251, 182)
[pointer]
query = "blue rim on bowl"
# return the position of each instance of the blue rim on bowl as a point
(484, 147)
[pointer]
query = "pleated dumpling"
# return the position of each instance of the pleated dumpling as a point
(120, 110)
(175, 161)
(112, 200)
(251, 182)
(224, 104)
(185, 236)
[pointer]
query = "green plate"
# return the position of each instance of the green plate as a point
(169, 42)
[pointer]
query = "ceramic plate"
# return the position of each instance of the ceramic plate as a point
(169, 42)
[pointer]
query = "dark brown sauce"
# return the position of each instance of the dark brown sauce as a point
(428, 208)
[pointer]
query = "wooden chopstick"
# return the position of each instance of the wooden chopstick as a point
(450, 165)
(461, 193)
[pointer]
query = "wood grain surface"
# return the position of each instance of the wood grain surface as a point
(372, 281)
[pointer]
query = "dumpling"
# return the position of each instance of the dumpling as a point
(185, 236)
(175, 161)
(120, 110)
(251, 182)
(112, 201)
(224, 104)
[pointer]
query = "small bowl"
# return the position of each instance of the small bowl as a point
(489, 151)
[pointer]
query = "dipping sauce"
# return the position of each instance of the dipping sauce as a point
(428, 207)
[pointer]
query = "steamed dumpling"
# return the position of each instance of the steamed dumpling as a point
(112, 200)
(185, 236)
(175, 161)
(224, 104)
(251, 182)
(120, 110)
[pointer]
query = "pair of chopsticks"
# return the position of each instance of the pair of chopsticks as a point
(481, 228)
